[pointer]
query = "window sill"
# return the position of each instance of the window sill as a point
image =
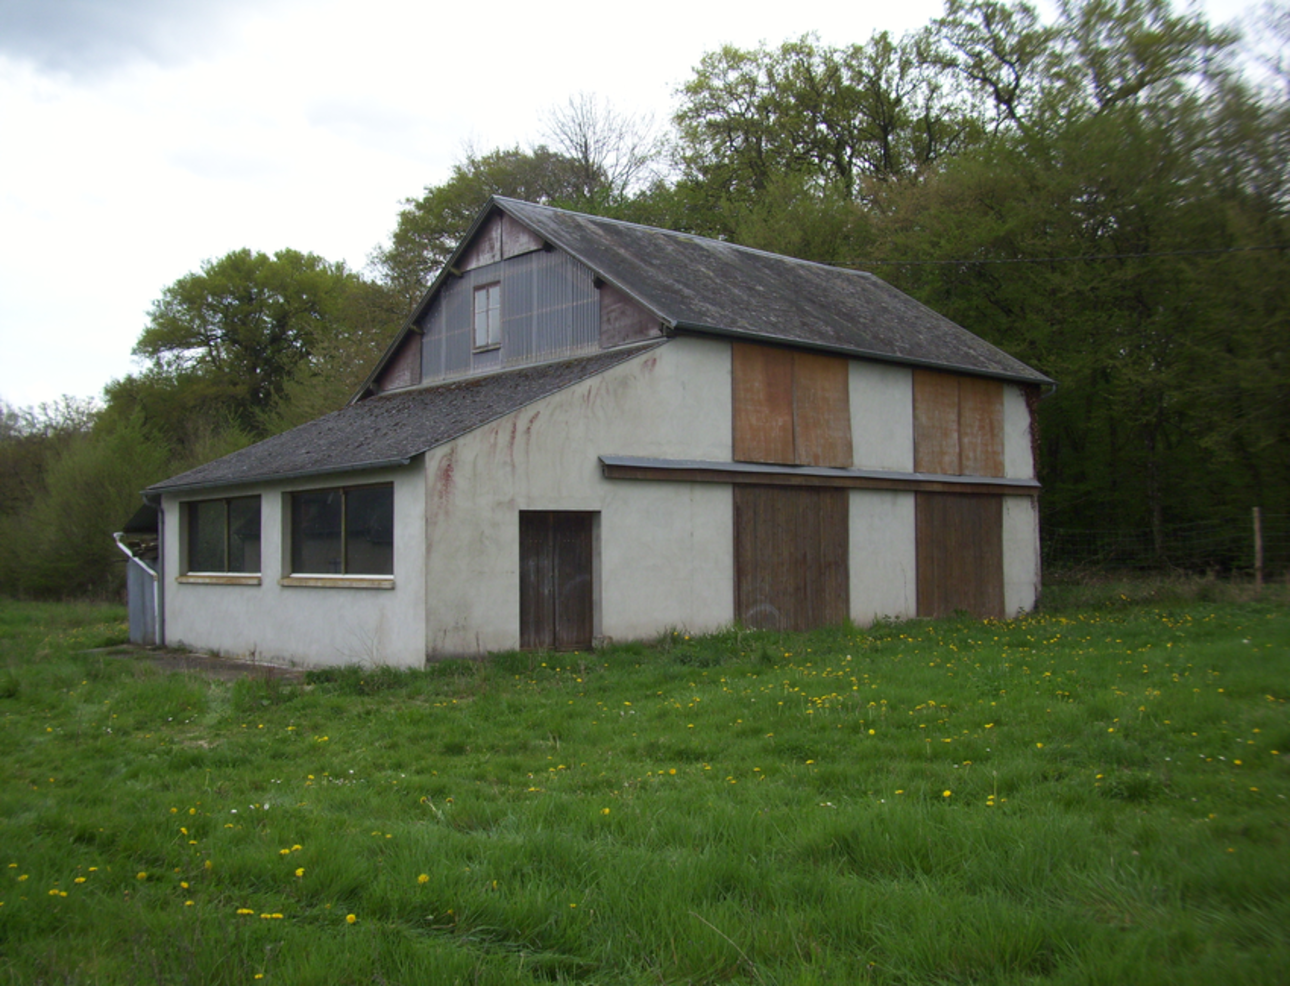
(218, 579)
(339, 581)
(492, 347)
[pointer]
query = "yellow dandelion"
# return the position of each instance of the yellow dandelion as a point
(946, 794)
(350, 919)
(141, 875)
(423, 878)
(245, 910)
(300, 871)
(604, 811)
(79, 879)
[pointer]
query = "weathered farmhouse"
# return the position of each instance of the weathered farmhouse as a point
(590, 429)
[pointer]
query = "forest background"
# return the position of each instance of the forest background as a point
(1103, 194)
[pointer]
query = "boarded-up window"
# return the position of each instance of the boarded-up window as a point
(791, 548)
(790, 407)
(556, 587)
(958, 424)
(960, 554)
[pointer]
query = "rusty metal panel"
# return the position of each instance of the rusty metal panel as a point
(959, 550)
(517, 239)
(821, 411)
(791, 557)
(936, 423)
(556, 583)
(486, 248)
(980, 426)
(622, 320)
(762, 401)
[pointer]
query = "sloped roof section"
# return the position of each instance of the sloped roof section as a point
(389, 430)
(704, 285)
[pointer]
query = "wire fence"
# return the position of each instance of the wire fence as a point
(1218, 546)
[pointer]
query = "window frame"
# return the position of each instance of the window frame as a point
(224, 575)
(343, 578)
(492, 311)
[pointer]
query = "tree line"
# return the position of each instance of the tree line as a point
(1104, 195)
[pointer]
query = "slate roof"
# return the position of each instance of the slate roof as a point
(390, 429)
(697, 284)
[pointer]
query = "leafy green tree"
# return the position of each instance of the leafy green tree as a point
(235, 332)
(430, 227)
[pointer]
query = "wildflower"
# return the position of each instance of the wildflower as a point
(245, 910)
(300, 871)
(946, 794)
(604, 811)
(141, 875)
(423, 878)
(79, 879)
(350, 919)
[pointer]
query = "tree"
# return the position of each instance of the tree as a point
(232, 335)
(429, 228)
(614, 154)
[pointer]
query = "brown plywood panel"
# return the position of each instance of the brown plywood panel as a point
(556, 587)
(791, 557)
(518, 239)
(486, 248)
(936, 423)
(762, 403)
(981, 426)
(537, 596)
(622, 320)
(959, 549)
(404, 370)
(574, 615)
(821, 411)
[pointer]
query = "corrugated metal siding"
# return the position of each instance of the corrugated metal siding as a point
(550, 309)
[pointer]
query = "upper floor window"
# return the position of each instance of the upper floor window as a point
(223, 535)
(346, 531)
(487, 319)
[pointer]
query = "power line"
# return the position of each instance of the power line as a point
(1085, 258)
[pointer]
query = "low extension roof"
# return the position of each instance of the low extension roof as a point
(390, 429)
(710, 286)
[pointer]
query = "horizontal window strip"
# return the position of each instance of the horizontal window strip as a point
(703, 471)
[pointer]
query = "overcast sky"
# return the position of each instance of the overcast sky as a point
(141, 137)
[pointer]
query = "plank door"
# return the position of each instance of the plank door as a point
(791, 549)
(556, 587)
(960, 554)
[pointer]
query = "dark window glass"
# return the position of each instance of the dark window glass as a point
(343, 532)
(224, 535)
(316, 527)
(206, 536)
(369, 531)
(244, 534)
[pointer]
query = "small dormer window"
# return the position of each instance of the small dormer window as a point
(488, 316)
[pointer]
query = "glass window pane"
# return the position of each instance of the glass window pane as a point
(206, 536)
(315, 532)
(369, 527)
(244, 534)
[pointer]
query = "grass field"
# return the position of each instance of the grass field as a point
(1086, 796)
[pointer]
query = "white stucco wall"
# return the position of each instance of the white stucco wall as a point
(666, 549)
(305, 625)
(1021, 558)
(882, 416)
(883, 562)
(1018, 455)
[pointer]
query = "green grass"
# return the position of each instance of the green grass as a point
(1082, 796)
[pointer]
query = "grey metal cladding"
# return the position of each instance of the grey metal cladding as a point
(550, 308)
(392, 428)
(710, 286)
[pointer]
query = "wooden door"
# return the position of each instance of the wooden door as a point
(791, 550)
(960, 554)
(556, 587)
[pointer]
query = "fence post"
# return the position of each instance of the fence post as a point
(1258, 550)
